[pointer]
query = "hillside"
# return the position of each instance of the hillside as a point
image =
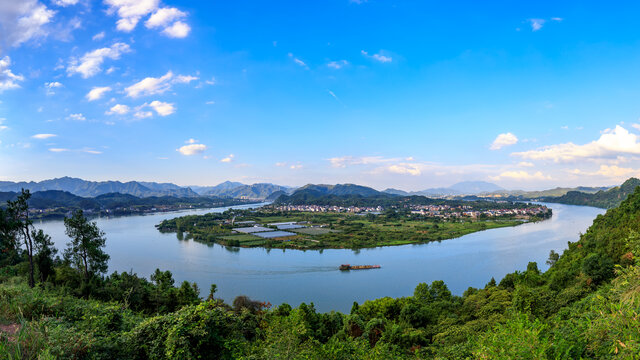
(340, 195)
(57, 202)
(584, 307)
(255, 191)
(605, 199)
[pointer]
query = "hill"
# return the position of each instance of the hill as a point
(339, 195)
(255, 191)
(86, 188)
(458, 189)
(605, 199)
(225, 186)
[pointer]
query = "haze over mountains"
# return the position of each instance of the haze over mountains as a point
(461, 188)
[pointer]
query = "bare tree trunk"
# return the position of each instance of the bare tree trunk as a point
(29, 245)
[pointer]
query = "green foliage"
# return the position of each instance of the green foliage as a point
(85, 251)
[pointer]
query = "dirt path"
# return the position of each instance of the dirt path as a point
(10, 330)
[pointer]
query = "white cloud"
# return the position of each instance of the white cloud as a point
(8, 80)
(228, 159)
(49, 86)
(98, 36)
(503, 140)
(153, 86)
(525, 164)
(64, 3)
(520, 175)
(43, 136)
(57, 150)
(612, 143)
(405, 169)
(295, 167)
(89, 151)
(162, 17)
(97, 93)
(162, 108)
(118, 109)
(192, 149)
(344, 161)
(537, 24)
(90, 63)
(178, 30)
(557, 19)
(609, 171)
(130, 11)
(52, 85)
(212, 81)
(23, 20)
(380, 57)
(77, 117)
(337, 64)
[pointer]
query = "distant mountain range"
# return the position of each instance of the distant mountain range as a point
(86, 188)
(52, 199)
(461, 188)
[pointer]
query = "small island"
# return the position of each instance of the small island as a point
(314, 226)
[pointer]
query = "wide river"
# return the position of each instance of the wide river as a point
(295, 276)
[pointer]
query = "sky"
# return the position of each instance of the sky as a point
(403, 94)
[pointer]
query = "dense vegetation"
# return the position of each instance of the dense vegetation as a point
(57, 204)
(605, 199)
(584, 306)
(334, 230)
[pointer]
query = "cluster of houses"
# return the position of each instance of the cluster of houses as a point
(445, 211)
(328, 208)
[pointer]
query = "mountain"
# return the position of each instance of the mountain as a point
(339, 195)
(53, 199)
(225, 186)
(606, 199)
(255, 191)
(475, 187)
(86, 188)
(395, 192)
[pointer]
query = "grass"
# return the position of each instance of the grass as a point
(313, 231)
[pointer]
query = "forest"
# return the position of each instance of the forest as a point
(51, 307)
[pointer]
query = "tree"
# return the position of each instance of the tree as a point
(212, 291)
(45, 251)
(8, 237)
(553, 258)
(18, 211)
(85, 250)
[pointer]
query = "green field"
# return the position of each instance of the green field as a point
(313, 231)
(338, 231)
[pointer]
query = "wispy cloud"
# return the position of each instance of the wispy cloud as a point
(154, 86)
(380, 56)
(8, 80)
(337, 64)
(228, 159)
(24, 20)
(43, 136)
(90, 63)
(298, 61)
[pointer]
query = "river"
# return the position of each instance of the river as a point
(295, 276)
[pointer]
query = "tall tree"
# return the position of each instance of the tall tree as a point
(45, 251)
(86, 247)
(8, 237)
(18, 211)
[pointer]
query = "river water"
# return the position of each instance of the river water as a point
(295, 276)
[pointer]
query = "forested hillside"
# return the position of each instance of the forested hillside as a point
(605, 199)
(584, 306)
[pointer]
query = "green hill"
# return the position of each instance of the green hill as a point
(605, 199)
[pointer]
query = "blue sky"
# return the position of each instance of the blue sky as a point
(404, 94)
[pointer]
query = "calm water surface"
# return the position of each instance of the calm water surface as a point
(294, 276)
